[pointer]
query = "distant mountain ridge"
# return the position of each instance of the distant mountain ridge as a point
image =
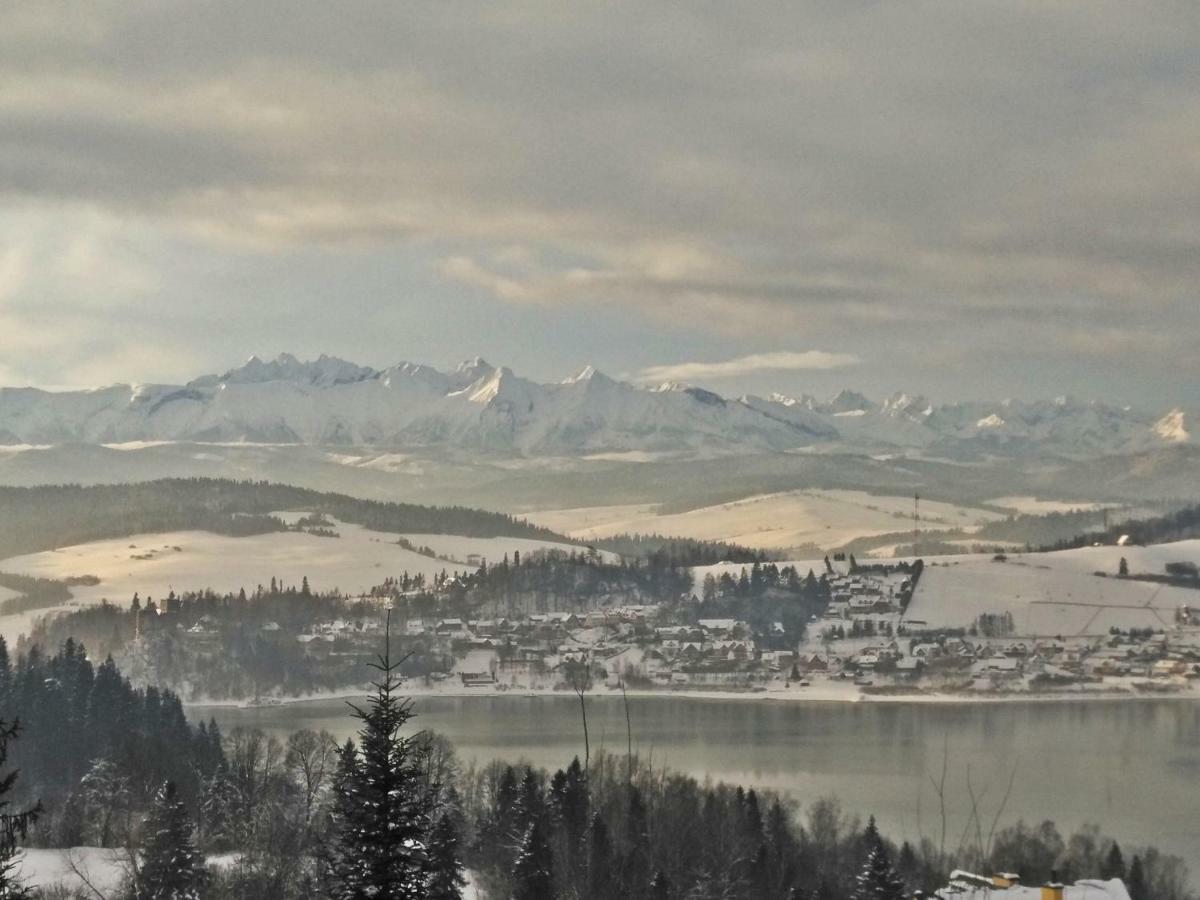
(479, 408)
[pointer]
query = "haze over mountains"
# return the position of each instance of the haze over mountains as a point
(478, 409)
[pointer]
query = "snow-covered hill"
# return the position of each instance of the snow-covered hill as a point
(477, 408)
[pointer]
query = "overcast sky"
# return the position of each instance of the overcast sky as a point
(960, 198)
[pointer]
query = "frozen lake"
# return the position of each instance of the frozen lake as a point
(1132, 767)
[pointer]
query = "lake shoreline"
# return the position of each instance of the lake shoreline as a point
(823, 693)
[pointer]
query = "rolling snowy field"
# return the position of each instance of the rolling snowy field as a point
(1037, 506)
(777, 521)
(154, 564)
(1050, 594)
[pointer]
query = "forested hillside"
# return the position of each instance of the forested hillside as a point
(1176, 526)
(42, 518)
(94, 748)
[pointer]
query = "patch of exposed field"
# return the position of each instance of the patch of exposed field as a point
(1036, 506)
(778, 521)
(888, 552)
(155, 564)
(461, 549)
(393, 463)
(637, 456)
(1056, 593)
(6, 594)
(587, 522)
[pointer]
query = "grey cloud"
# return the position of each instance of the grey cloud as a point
(825, 167)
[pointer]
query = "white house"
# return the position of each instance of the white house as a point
(966, 886)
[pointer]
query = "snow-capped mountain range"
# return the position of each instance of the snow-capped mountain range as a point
(480, 408)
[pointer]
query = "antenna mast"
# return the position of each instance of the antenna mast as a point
(916, 524)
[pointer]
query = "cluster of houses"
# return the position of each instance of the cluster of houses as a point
(625, 643)
(632, 644)
(863, 636)
(860, 595)
(1014, 664)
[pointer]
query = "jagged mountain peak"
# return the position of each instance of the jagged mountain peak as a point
(498, 384)
(591, 379)
(901, 403)
(587, 373)
(476, 406)
(848, 401)
(324, 371)
(476, 366)
(804, 401)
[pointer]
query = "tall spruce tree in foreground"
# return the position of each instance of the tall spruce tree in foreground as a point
(382, 808)
(534, 871)
(877, 880)
(14, 826)
(171, 868)
(446, 869)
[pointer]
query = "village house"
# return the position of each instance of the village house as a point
(720, 627)
(1007, 886)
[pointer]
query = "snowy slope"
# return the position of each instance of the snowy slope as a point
(477, 408)
(154, 564)
(1056, 593)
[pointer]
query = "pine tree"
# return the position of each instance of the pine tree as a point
(870, 836)
(381, 825)
(5, 668)
(533, 872)
(877, 880)
(660, 887)
(1138, 889)
(1114, 863)
(907, 864)
(600, 862)
(569, 794)
(446, 876)
(172, 868)
(13, 825)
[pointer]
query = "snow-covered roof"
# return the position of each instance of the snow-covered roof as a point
(964, 886)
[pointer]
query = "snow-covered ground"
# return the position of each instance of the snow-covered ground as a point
(1056, 593)
(771, 521)
(453, 546)
(591, 521)
(74, 869)
(154, 564)
(97, 870)
(1039, 506)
